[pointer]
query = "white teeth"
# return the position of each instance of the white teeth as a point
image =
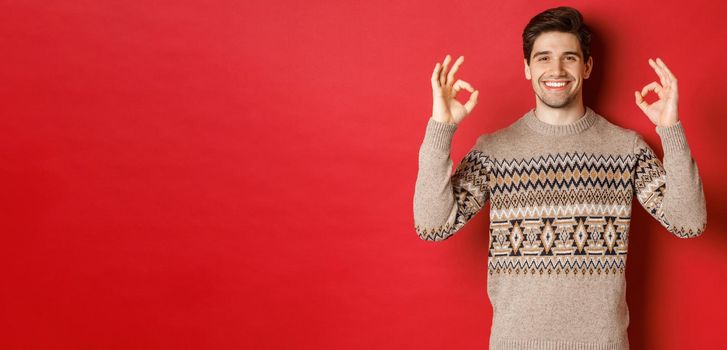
(554, 84)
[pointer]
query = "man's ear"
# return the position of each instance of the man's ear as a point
(589, 68)
(527, 69)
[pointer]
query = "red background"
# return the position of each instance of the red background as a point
(229, 174)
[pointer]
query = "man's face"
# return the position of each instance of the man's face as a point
(556, 59)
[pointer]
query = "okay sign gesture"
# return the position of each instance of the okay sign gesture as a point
(445, 107)
(664, 111)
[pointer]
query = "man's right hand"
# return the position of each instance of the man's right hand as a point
(445, 107)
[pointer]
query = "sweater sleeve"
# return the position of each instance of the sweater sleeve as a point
(671, 191)
(444, 202)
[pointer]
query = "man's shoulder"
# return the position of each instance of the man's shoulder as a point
(508, 133)
(609, 129)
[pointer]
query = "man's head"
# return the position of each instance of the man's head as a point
(556, 47)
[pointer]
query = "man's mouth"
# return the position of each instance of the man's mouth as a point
(556, 85)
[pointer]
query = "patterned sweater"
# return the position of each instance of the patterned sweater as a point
(560, 207)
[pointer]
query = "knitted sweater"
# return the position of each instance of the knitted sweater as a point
(560, 207)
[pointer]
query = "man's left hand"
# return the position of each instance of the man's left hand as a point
(664, 111)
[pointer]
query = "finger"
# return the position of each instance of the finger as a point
(664, 71)
(472, 102)
(435, 76)
(673, 90)
(465, 85)
(659, 71)
(640, 101)
(443, 73)
(669, 74)
(459, 84)
(653, 86)
(455, 67)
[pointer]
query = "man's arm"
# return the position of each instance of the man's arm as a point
(444, 202)
(670, 191)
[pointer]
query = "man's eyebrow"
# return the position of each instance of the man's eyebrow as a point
(548, 52)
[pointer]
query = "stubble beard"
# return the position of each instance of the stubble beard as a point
(557, 102)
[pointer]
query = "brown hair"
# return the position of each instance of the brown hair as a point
(559, 19)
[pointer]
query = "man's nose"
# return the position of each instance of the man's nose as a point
(558, 67)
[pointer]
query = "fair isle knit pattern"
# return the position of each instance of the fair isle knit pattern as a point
(560, 207)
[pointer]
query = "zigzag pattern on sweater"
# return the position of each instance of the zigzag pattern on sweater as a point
(558, 265)
(650, 184)
(569, 170)
(559, 210)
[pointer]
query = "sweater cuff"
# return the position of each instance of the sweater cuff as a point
(439, 135)
(672, 137)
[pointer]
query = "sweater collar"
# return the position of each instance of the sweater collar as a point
(575, 127)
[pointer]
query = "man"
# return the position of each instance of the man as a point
(560, 181)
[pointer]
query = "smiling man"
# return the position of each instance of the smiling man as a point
(561, 180)
(559, 68)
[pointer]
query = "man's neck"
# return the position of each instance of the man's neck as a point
(559, 116)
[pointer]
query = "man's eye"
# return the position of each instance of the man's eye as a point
(571, 58)
(542, 58)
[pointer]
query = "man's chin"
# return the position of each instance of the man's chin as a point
(556, 103)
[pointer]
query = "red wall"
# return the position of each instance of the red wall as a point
(229, 174)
